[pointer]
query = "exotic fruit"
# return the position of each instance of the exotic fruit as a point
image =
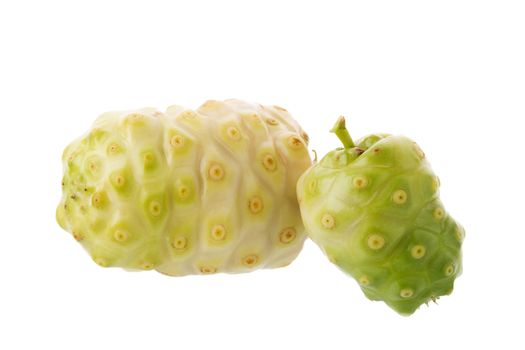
(374, 209)
(187, 192)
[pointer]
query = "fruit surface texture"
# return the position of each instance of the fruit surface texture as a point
(187, 191)
(373, 207)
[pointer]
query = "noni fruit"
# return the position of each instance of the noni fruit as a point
(187, 192)
(374, 209)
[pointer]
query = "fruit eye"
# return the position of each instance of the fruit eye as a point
(250, 260)
(360, 181)
(449, 270)
(113, 149)
(233, 133)
(216, 172)
(406, 293)
(269, 162)
(287, 235)
(208, 270)
(328, 221)
(399, 197)
(271, 121)
(177, 141)
(312, 186)
(218, 232)
(460, 234)
(418, 251)
(364, 281)
(294, 142)
(155, 208)
(120, 236)
(438, 213)
(255, 204)
(418, 151)
(375, 242)
(179, 243)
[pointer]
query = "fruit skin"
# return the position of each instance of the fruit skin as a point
(187, 192)
(374, 210)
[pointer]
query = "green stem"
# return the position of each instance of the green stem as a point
(340, 130)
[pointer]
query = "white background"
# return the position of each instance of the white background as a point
(449, 74)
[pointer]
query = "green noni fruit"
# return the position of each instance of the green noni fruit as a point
(187, 192)
(374, 209)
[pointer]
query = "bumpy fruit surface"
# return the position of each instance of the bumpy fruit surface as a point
(187, 192)
(374, 210)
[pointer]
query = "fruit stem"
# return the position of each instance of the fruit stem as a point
(340, 130)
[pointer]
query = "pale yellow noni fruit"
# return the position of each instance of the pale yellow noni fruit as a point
(187, 192)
